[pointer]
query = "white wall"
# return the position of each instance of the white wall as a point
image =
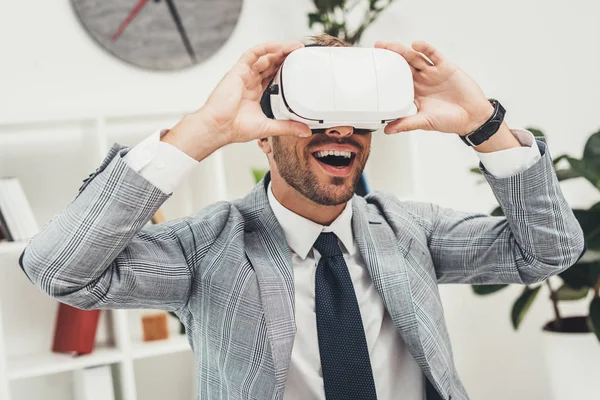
(540, 58)
(50, 66)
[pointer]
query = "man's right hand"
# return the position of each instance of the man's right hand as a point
(232, 112)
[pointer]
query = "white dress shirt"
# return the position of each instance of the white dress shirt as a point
(165, 166)
(394, 370)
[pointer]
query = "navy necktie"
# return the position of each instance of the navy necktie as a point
(343, 348)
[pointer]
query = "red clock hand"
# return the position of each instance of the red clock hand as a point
(132, 14)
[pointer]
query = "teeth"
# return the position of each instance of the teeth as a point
(325, 153)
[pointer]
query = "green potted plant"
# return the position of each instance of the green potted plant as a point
(572, 346)
(333, 16)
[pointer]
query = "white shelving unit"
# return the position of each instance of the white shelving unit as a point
(51, 158)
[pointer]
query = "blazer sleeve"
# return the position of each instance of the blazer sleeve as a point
(98, 253)
(538, 237)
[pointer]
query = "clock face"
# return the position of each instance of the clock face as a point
(159, 34)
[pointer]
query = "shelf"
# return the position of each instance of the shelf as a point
(62, 152)
(10, 248)
(33, 365)
(175, 344)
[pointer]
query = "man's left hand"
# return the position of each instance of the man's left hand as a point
(447, 99)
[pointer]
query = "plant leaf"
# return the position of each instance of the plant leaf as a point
(497, 212)
(535, 131)
(567, 293)
(558, 159)
(591, 153)
(314, 18)
(335, 28)
(566, 173)
(523, 304)
(588, 219)
(483, 290)
(587, 169)
(590, 224)
(576, 276)
(593, 239)
(594, 318)
(476, 170)
(582, 274)
(328, 5)
(258, 174)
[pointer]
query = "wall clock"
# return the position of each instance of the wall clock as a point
(159, 34)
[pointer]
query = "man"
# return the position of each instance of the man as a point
(302, 290)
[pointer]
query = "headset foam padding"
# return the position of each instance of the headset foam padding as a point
(265, 102)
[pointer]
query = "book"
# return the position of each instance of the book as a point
(18, 221)
(4, 231)
(155, 327)
(25, 213)
(94, 383)
(8, 210)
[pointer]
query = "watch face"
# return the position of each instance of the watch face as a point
(159, 34)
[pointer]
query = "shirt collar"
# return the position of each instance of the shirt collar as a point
(301, 233)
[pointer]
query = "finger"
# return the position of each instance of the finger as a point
(266, 63)
(270, 71)
(382, 45)
(267, 76)
(264, 83)
(417, 60)
(278, 58)
(251, 56)
(250, 78)
(253, 78)
(287, 128)
(410, 123)
(413, 58)
(431, 52)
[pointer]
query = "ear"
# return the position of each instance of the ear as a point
(265, 145)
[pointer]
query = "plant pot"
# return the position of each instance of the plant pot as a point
(572, 360)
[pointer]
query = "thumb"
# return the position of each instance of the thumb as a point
(409, 123)
(287, 128)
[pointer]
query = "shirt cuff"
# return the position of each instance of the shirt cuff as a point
(504, 163)
(160, 163)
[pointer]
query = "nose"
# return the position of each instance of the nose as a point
(340, 131)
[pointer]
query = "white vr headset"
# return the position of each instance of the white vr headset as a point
(325, 87)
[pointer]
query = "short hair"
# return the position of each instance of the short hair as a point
(325, 39)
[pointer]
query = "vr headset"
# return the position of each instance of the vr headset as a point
(325, 87)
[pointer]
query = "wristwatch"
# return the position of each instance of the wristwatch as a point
(491, 126)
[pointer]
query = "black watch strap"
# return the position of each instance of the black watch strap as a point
(491, 126)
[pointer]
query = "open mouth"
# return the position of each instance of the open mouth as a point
(333, 158)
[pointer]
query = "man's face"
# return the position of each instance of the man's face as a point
(324, 167)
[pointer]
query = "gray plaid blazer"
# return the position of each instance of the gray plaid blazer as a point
(226, 269)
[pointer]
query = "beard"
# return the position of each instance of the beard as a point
(296, 171)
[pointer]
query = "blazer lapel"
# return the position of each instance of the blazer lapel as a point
(271, 259)
(384, 252)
